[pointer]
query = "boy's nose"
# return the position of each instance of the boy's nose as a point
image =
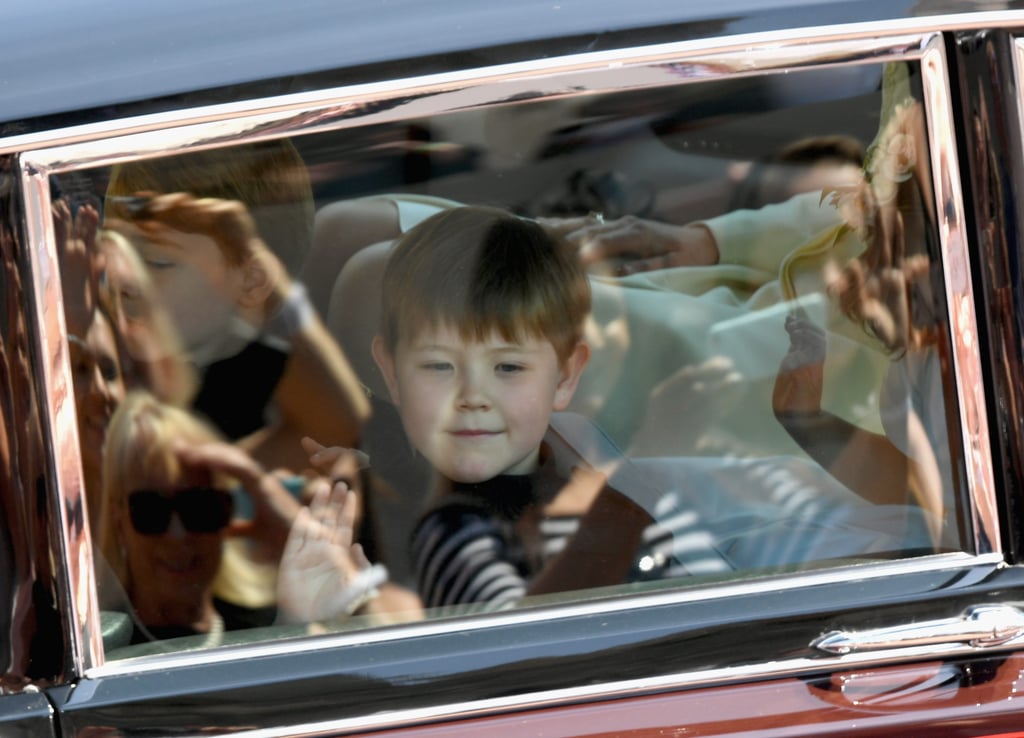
(472, 392)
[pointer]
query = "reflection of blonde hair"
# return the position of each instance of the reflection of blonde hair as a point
(156, 357)
(140, 446)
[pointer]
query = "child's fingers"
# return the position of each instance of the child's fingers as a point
(359, 556)
(345, 524)
(311, 445)
(326, 457)
(221, 457)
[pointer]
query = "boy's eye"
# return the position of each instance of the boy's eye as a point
(159, 262)
(509, 368)
(436, 366)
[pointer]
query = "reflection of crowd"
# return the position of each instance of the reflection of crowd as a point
(181, 307)
(200, 365)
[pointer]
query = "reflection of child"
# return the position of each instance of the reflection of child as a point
(480, 341)
(257, 341)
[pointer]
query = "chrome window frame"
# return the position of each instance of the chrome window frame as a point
(40, 155)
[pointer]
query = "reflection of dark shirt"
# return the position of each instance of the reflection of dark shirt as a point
(236, 391)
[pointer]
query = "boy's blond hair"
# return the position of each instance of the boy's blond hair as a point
(269, 178)
(483, 270)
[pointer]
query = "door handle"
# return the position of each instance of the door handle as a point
(982, 626)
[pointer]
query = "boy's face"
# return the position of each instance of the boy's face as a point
(194, 281)
(478, 409)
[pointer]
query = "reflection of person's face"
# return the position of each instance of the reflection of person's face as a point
(171, 572)
(133, 312)
(196, 284)
(477, 410)
(824, 176)
(99, 386)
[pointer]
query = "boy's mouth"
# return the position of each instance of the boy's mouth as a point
(474, 433)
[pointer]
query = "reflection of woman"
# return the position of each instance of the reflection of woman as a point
(152, 347)
(99, 387)
(163, 523)
(167, 515)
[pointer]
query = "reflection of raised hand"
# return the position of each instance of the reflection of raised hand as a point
(274, 508)
(800, 380)
(335, 462)
(81, 263)
(630, 244)
(867, 463)
(323, 574)
(880, 298)
(678, 408)
(227, 222)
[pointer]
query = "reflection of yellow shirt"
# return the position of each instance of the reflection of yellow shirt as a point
(648, 326)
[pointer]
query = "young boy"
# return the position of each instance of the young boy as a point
(480, 341)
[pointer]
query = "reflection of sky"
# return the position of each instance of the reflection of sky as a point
(66, 55)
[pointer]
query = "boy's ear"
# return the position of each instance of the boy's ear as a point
(386, 363)
(572, 369)
(257, 281)
(260, 276)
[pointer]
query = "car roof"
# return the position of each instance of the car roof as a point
(63, 56)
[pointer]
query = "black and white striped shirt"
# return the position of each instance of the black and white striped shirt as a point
(470, 548)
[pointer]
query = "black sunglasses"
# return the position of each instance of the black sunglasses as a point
(200, 509)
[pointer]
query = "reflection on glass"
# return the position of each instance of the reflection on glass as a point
(652, 337)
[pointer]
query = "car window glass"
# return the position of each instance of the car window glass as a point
(751, 264)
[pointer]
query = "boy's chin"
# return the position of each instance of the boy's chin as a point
(471, 478)
(470, 473)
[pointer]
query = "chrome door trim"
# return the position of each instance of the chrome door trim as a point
(573, 609)
(961, 308)
(415, 97)
(80, 605)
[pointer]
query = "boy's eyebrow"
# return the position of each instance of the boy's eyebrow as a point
(511, 348)
(139, 237)
(501, 348)
(157, 240)
(428, 346)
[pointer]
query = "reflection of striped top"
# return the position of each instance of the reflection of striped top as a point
(469, 550)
